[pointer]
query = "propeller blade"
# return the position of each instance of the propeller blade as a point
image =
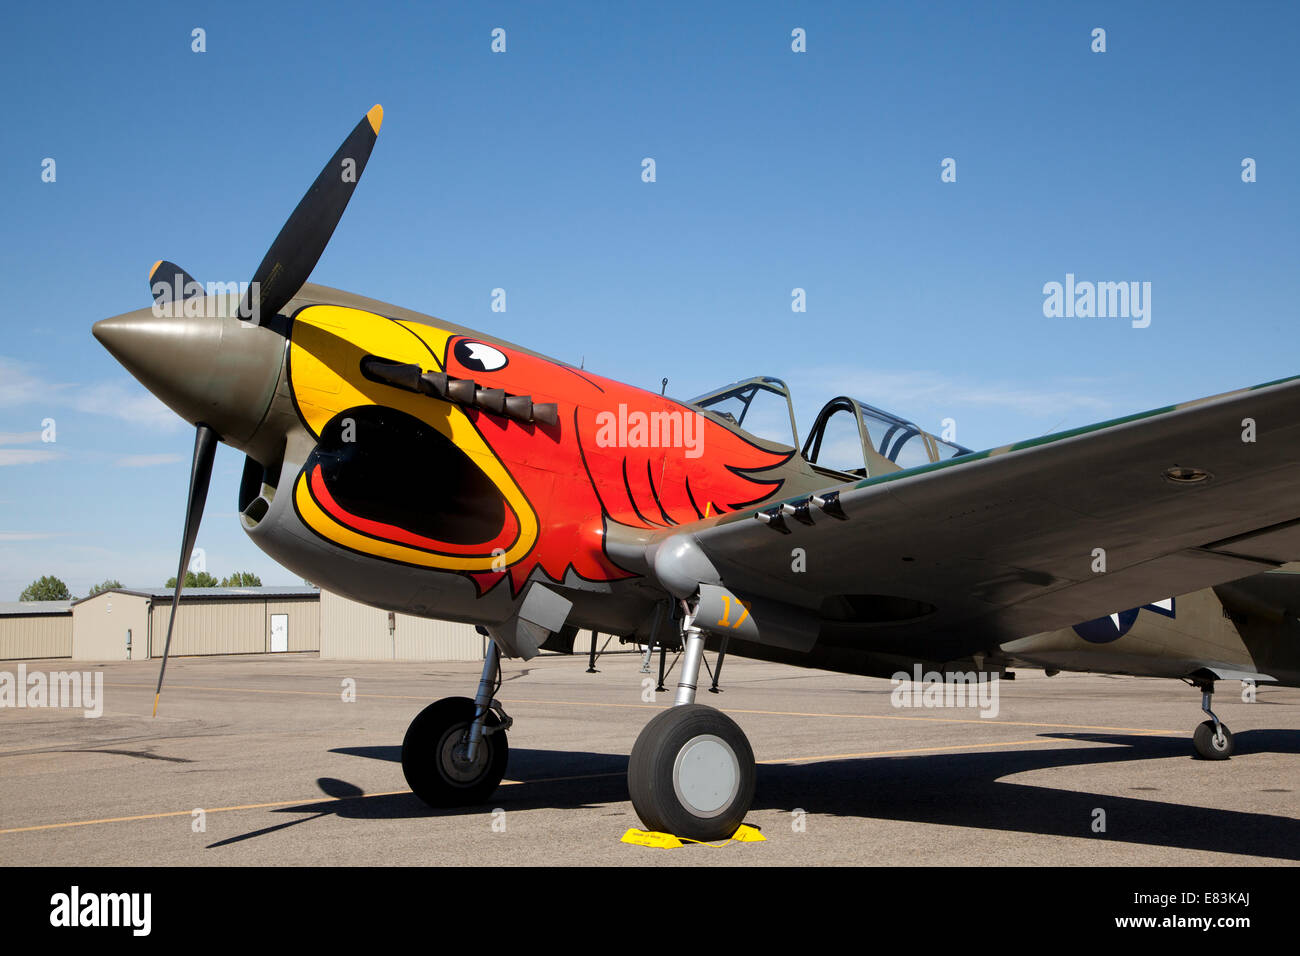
(205, 446)
(302, 240)
(166, 279)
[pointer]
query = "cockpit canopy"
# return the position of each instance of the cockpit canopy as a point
(760, 405)
(848, 438)
(853, 437)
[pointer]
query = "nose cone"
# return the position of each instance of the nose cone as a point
(209, 369)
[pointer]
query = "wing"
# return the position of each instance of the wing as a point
(947, 559)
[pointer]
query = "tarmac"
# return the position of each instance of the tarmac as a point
(260, 760)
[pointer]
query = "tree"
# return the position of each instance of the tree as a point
(106, 586)
(192, 580)
(242, 579)
(48, 588)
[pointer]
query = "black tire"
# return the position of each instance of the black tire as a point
(706, 804)
(1210, 747)
(428, 762)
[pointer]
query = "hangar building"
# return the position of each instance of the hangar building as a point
(31, 630)
(131, 624)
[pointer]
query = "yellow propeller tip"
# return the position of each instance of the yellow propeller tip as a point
(154, 268)
(376, 117)
(155, 704)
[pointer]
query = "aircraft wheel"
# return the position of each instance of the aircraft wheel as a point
(433, 755)
(691, 773)
(1212, 746)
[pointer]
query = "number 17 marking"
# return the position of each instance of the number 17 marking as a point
(725, 621)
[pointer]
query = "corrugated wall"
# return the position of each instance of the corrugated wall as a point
(36, 636)
(355, 632)
(238, 626)
(352, 632)
(421, 639)
(211, 627)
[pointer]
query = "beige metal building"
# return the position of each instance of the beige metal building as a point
(356, 632)
(33, 630)
(131, 624)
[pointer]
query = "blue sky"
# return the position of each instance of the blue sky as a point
(522, 170)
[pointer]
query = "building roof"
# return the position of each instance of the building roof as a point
(32, 608)
(213, 594)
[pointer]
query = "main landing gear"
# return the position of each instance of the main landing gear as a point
(1212, 739)
(691, 772)
(455, 751)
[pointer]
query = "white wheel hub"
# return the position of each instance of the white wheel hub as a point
(451, 756)
(706, 775)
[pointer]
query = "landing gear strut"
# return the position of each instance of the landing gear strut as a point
(691, 772)
(1213, 739)
(455, 751)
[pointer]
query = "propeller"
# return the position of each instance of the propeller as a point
(166, 278)
(284, 269)
(307, 231)
(205, 447)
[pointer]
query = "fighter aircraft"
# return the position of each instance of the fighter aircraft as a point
(422, 467)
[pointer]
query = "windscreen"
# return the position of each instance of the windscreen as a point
(761, 406)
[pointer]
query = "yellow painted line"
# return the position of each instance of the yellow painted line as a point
(910, 750)
(576, 776)
(186, 813)
(262, 690)
(730, 710)
(984, 721)
(504, 783)
(281, 803)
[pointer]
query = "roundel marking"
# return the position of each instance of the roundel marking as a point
(1103, 630)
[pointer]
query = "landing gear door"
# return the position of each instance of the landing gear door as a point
(541, 614)
(722, 612)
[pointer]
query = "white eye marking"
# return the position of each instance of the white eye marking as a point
(485, 357)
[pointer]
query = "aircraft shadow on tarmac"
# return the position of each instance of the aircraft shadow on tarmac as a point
(949, 789)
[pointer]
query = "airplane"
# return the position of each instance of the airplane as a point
(422, 467)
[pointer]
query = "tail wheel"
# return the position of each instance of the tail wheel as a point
(691, 773)
(1213, 743)
(433, 755)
